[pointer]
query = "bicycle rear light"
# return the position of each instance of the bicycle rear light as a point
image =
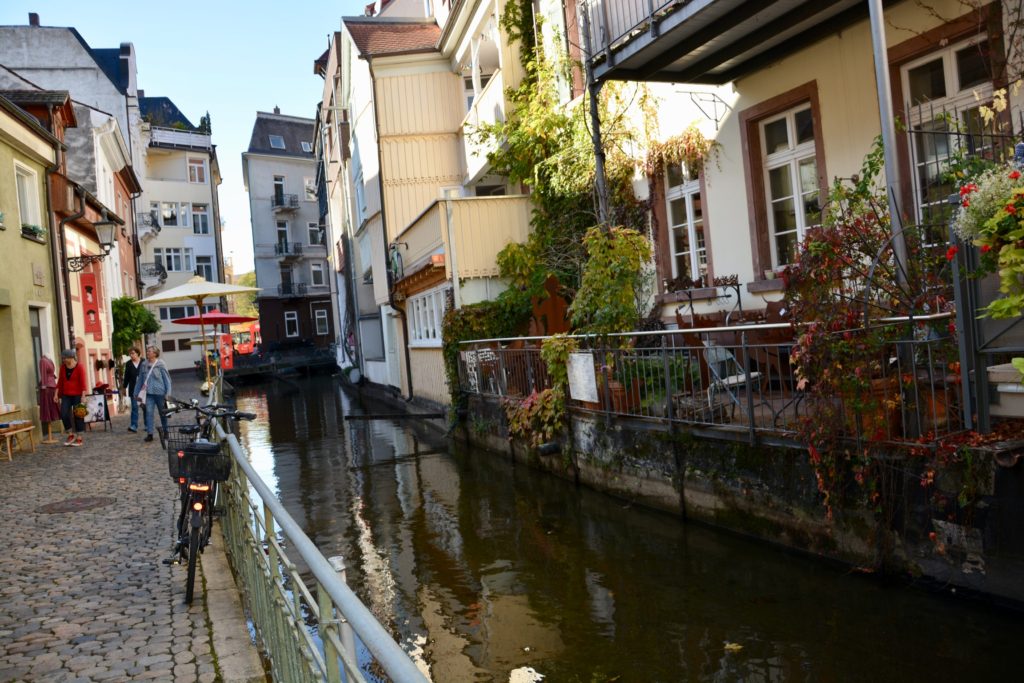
(197, 506)
(198, 487)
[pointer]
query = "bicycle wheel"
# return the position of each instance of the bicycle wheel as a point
(193, 557)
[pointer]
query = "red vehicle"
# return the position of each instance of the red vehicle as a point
(245, 341)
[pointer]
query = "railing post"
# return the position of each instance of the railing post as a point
(669, 408)
(268, 532)
(750, 389)
(348, 638)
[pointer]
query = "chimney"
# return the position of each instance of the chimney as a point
(142, 93)
(33, 19)
(277, 110)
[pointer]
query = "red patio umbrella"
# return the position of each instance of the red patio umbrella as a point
(211, 318)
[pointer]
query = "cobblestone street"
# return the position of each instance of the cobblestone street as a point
(85, 595)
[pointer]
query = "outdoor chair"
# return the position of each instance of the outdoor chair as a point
(727, 374)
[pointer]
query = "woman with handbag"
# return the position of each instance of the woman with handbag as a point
(132, 370)
(153, 390)
(70, 387)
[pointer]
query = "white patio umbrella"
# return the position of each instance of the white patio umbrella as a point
(197, 290)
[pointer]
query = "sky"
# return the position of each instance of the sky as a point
(229, 58)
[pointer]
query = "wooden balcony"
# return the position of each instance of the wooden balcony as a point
(488, 108)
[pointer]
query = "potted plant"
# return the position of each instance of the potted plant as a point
(34, 231)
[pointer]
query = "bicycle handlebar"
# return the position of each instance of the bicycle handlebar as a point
(215, 410)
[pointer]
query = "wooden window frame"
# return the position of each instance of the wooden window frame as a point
(663, 240)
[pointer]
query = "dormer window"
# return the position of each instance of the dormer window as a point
(276, 142)
(307, 146)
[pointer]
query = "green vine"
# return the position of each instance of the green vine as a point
(539, 417)
(606, 300)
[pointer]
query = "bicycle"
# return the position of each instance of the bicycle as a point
(197, 462)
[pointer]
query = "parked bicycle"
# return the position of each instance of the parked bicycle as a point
(196, 461)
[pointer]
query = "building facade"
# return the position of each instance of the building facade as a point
(289, 247)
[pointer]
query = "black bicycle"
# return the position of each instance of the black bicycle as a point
(197, 462)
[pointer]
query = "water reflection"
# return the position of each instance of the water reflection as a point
(489, 567)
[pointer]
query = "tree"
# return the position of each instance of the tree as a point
(245, 304)
(131, 321)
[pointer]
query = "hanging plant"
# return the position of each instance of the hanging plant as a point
(691, 148)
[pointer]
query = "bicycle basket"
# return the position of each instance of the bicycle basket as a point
(200, 461)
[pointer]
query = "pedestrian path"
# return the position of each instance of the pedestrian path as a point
(84, 594)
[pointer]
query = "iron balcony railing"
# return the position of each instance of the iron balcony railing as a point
(288, 249)
(292, 288)
(284, 202)
(152, 271)
(735, 379)
(309, 623)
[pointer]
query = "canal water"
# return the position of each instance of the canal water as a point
(489, 571)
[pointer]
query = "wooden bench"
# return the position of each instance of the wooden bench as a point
(13, 436)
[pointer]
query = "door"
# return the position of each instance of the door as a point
(35, 329)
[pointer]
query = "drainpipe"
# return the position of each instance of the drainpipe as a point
(64, 266)
(384, 233)
(57, 248)
(456, 286)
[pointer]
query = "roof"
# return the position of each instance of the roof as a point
(378, 37)
(294, 130)
(44, 98)
(109, 60)
(161, 111)
(320, 64)
(29, 120)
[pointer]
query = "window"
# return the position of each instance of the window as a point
(685, 212)
(167, 346)
(470, 92)
(27, 184)
(307, 146)
(425, 313)
(282, 232)
(945, 91)
(309, 187)
(184, 344)
(314, 233)
(200, 219)
(175, 312)
(276, 142)
(322, 327)
(197, 170)
(169, 214)
(278, 190)
(204, 267)
(291, 324)
(175, 260)
(784, 170)
(317, 274)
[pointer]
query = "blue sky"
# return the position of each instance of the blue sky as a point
(229, 58)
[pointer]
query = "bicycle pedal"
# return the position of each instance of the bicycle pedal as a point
(171, 561)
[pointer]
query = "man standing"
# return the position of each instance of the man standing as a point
(131, 376)
(70, 387)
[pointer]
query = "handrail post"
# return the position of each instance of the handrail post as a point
(268, 531)
(750, 395)
(348, 638)
(325, 607)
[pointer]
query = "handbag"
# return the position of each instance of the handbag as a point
(141, 396)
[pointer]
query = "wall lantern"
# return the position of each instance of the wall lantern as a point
(105, 233)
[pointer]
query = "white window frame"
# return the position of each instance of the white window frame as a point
(206, 267)
(174, 259)
(426, 311)
(313, 232)
(291, 316)
(316, 269)
(28, 206)
(320, 316)
(279, 138)
(309, 188)
(177, 214)
(307, 146)
(196, 170)
(957, 99)
(697, 255)
(200, 227)
(790, 158)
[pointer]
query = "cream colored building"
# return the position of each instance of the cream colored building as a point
(179, 220)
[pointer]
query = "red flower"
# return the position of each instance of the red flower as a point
(965, 203)
(968, 188)
(985, 248)
(1011, 209)
(1014, 175)
(951, 252)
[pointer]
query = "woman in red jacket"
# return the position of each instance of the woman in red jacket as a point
(70, 387)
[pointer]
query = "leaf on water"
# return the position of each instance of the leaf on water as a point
(733, 647)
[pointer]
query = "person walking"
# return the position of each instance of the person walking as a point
(70, 387)
(131, 376)
(156, 384)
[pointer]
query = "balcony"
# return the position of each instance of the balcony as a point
(152, 274)
(174, 138)
(480, 227)
(148, 225)
(705, 41)
(291, 289)
(284, 202)
(488, 107)
(288, 250)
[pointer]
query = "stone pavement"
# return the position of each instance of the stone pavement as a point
(84, 594)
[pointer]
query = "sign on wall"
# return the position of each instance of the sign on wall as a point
(582, 378)
(91, 308)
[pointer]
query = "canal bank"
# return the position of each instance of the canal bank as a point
(482, 566)
(86, 595)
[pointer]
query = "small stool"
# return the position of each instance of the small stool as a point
(16, 435)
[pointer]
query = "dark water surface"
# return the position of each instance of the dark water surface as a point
(486, 568)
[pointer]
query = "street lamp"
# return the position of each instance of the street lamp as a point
(105, 233)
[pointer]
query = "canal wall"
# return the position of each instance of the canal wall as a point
(959, 527)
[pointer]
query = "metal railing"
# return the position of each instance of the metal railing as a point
(614, 23)
(291, 289)
(288, 249)
(737, 379)
(311, 625)
(280, 202)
